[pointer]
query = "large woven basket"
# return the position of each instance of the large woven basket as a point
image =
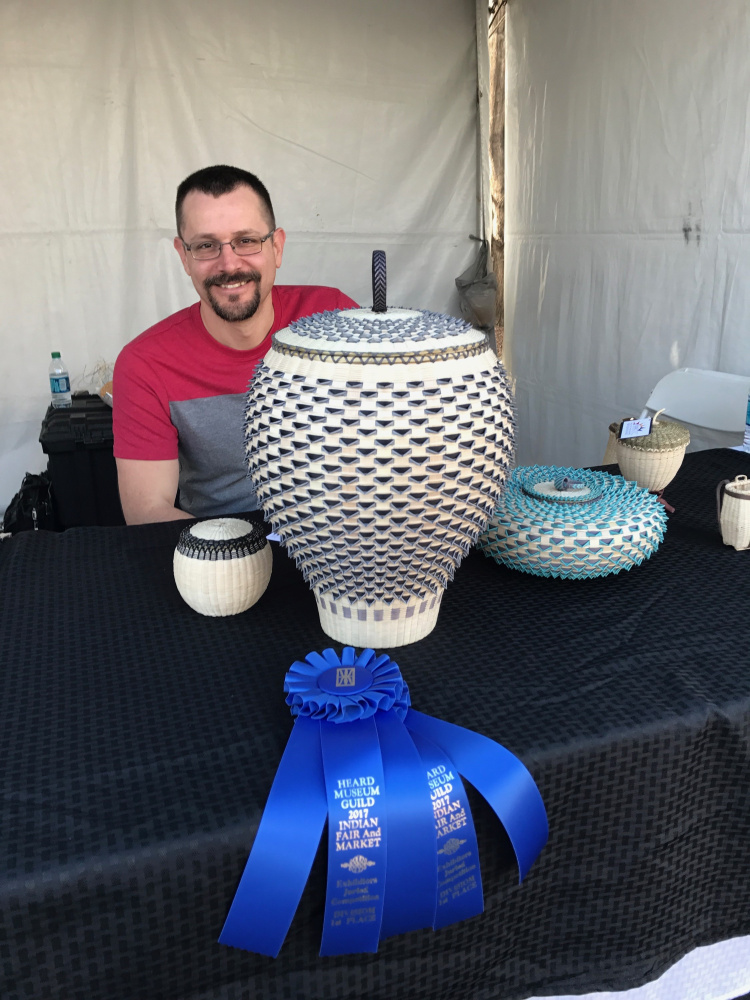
(733, 509)
(653, 461)
(378, 444)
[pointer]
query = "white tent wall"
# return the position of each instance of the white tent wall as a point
(360, 117)
(627, 208)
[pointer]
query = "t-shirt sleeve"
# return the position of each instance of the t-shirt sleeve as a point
(345, 302)
(292, 302)
(141, 422)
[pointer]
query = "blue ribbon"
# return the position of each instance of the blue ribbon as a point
(402, 850)
(459, 894)
(355, 786)
(499, 777)
(411, 881)
(284, 849)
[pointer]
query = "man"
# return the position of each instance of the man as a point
(179, 388)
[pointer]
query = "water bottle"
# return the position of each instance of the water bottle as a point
(59, 381)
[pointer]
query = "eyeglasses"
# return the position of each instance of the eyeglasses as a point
(244, 246)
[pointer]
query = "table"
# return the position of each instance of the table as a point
(139, 741)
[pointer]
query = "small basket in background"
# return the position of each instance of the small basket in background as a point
(733, 511)
(652, 461)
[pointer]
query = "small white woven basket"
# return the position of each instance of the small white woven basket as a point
(733, 509)
(222, 566)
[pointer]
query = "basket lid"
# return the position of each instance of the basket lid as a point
(362, 335)
(380, 335)
(741, 485)
(598, 501)
(665, 435)
(568, 486)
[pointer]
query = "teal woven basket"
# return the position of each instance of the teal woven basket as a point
(573, 523)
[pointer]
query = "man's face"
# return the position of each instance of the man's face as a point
(231, 285)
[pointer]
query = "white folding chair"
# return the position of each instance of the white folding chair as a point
(713, 405)
(715, 400)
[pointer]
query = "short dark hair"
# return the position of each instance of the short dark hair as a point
(219, 180)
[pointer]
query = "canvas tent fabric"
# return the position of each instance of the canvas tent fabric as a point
(361, 119)
(628, 209)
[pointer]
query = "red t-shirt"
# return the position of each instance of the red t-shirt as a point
(179, 393)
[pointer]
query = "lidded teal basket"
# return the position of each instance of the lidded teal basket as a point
(573, 523)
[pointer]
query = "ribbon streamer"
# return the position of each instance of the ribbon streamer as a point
(355, 785)
(402, 850)
(284, 849)
(411, 881)
(459, 880)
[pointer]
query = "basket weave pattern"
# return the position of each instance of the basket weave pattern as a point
(618, 529)
(735, 513)
(377, 454)
(222, 566)
(653, 461)
(610, 454)
(652, 470)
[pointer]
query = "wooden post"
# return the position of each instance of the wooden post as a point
(497, 159)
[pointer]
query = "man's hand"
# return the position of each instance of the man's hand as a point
(148, 490)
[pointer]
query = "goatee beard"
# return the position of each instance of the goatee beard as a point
(234, 311)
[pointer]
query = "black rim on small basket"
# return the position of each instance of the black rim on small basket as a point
(222, 548)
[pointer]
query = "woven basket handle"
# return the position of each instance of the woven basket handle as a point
(719, 497)
(379, 282)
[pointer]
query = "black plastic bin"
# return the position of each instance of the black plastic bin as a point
(78, 440)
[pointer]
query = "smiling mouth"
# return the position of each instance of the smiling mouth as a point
(232, 282)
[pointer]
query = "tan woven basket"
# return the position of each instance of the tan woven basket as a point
(610, 455)
(733, 511)
(653, 461)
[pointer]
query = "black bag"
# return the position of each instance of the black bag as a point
(32, 507)
(477, 288)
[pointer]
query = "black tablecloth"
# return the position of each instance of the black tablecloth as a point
(139, 741)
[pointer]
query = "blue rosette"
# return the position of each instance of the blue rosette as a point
(312, 692)
(402, 850)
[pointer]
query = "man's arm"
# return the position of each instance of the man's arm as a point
(148, 490)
